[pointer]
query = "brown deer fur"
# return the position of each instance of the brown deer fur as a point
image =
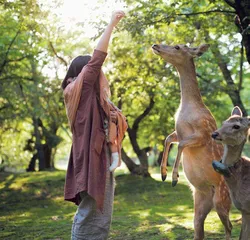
(194, 125)
(233, 135)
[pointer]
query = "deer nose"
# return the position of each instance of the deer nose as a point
(154, 45)
(215, 134)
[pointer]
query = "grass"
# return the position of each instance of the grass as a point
(32, 207)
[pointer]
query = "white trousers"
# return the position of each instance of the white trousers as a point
(90, 223)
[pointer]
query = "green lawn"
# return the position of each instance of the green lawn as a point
(32, 207)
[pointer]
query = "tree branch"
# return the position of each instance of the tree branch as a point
(231, 3)
(17, 60)
(202, 78)
(206, 12)
(132, 133)
(143, 115)
(7, 52)
(147, 149)
(232, 90)
(7, 105)
(241, 66)
(193, 14)
(56, 54)
(16, 77)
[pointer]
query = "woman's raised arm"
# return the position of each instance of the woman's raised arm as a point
(104, 40)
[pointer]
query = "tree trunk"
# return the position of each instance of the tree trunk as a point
(242, 21)
(161, 155)
(38, 145)
(32, 164)
(51, 141)
(233, 91)
(132, 167)
(43, 151)
(141, 153)
(47, 156)
(132, 133)
(2, 167)
(159, 158)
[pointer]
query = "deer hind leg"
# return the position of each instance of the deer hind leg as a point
(245, 227)
(194, 140)
(202, 206)
(175, 172)
(169, 140)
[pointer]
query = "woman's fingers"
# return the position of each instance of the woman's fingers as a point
(119, 13)
(113, 116)
(116, 17)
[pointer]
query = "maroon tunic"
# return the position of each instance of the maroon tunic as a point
(87, 163)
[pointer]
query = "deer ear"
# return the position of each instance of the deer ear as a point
(200, 50)
(236, 111)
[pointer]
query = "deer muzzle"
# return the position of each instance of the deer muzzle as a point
(156, 48)
(215, 135)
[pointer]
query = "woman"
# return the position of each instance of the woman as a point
(89, 183)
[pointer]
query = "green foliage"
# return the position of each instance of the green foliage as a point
(137, 74)
(13, 143)
(35, 49)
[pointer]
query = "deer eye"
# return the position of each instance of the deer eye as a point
(236, 127)
(177, 47)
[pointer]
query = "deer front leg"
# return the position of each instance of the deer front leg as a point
(169, 140)
(195, 140)
(245, 227)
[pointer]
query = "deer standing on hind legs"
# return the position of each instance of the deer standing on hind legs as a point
(194, 125)
(236, 169)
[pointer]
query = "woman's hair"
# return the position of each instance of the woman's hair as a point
(75, 68)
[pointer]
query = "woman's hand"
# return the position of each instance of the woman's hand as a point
(103, 43)
(116, 17)
(113, 116)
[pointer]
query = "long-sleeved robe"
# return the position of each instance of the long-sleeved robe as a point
(87, 162)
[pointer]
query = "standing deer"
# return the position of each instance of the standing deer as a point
(194, 125)
(236, 169)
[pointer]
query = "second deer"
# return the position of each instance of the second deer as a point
(236, 169)
(194, 125)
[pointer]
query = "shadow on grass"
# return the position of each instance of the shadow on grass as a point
(32, 207)
(149, 209)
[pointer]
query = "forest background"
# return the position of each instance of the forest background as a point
(38, 39)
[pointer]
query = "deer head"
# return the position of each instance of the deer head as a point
(178, 54)
(234, 130)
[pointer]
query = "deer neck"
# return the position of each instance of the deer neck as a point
(190, 92)
(232, 154)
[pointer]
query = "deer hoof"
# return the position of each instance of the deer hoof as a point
(163, 177)
(221, 168)
(174, 183)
